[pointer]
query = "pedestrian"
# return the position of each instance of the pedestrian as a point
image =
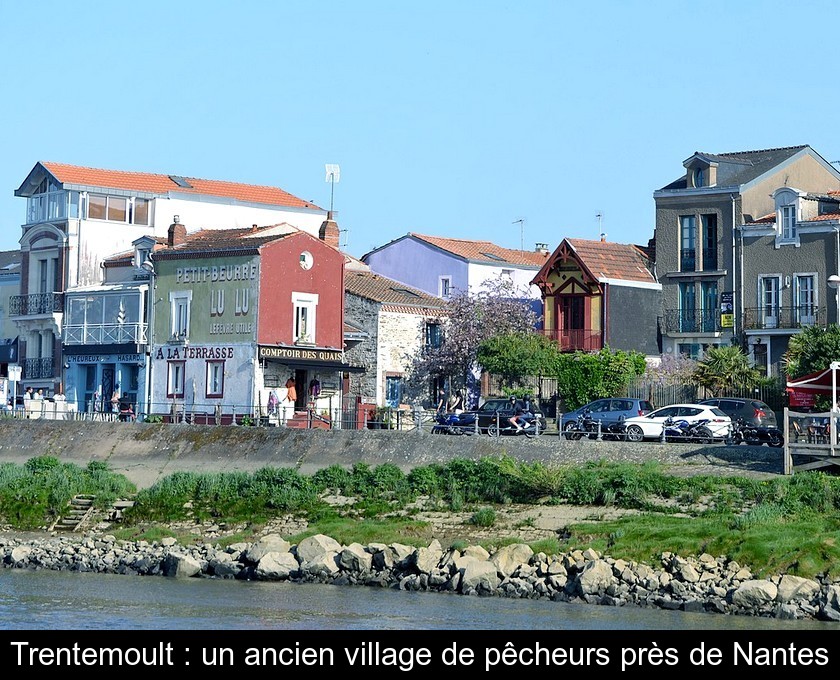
(291, 389)
(39, 395)
(441, 402)
(272, 402)
(115, 399)
(27, 396)
(458, 403)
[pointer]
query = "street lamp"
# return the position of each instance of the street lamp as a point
(834, 282)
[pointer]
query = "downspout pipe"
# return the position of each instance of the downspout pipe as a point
(740, 263)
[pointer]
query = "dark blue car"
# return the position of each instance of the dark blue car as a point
(608, 411)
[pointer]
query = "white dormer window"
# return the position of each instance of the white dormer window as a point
(699, 177)
(787, 215)
(788, 222)
(140, 256)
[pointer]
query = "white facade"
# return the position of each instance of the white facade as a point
(521, 278)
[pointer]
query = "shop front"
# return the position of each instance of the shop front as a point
(91, 378)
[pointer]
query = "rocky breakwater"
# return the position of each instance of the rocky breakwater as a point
(704, 583)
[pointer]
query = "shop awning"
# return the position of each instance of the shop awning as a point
(323, 365)
(803, 390)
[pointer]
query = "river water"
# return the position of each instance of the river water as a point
(53, 600)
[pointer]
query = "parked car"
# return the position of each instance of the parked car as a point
(650, 426)
(486, 413)
(608, 411)
(753, 411)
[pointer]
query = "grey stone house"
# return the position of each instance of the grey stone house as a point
(745, 243)
(390, 322)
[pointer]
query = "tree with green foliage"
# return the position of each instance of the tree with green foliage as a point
(513, 356)
(499, 307)
(812, 350)
(585, 376)
(725, 367)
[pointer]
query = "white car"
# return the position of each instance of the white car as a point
(649, 426)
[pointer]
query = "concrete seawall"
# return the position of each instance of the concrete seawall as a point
(145, 453)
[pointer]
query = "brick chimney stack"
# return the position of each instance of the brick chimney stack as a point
(329, 232)
(177, 232)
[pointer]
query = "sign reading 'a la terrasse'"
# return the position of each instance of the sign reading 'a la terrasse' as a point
(301, 354)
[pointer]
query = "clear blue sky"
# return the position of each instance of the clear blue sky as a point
(446, 118)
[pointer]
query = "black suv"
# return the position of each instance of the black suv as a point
(486, 413)
(753, 411)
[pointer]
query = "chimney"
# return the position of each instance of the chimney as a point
(603, 237)
(177, 232)
(541, 248)
(329, 232)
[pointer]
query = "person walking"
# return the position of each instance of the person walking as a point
(115, 399)
(441, 402)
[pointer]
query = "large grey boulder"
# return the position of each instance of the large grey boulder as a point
(325, 564)
(596, 577)
(276, 566)
(266, 544)
(509, 558)
(426, 560)
(480, 576)
(355, 558)
(754, 593)
(178, 565)
(314, 547)
(796, 588)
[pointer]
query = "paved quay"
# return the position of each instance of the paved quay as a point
(145, 453)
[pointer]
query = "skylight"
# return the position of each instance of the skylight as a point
(494, 257)
(405, 291)
(180, 181)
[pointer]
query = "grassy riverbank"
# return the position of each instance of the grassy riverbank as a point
(631, 511)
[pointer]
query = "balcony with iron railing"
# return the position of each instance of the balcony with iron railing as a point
(688, 259)
(38, 368)
(574, 339)
(106, 334)
(39, 303)
(760, 318)
(710, 259)
(692, 321)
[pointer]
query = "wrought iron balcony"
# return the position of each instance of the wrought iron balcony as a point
(710, 259)
(756, 318)
(573, 339)
(40, 303)
(106, 334)
(38, 368)
(692, 321)
(688, 259)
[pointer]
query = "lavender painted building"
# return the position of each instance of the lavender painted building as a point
(445, 266)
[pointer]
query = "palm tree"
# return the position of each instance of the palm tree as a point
(725, 366)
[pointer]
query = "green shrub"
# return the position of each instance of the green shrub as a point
(486, 517)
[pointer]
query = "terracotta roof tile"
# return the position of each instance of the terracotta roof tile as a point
(485, 251)
(382, 289)
(164, 184)
(607, 260)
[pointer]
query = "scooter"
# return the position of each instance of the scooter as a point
(453, 423)
(502, 425)
(683, 431)
(583, 426)
(756, 436)
(616, 431)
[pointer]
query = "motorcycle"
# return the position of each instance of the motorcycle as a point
(454, 423)
(502, 425)
(756, 436)
(616, 431)
(583, 426)
(683, 431)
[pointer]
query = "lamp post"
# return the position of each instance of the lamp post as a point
(834, 282)
(149, 266)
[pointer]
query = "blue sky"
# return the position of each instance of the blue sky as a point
(446, 118)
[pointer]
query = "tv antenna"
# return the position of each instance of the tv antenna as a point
(600, 217)
(333, 175)
(521, 223)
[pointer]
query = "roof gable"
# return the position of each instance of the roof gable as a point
(600, 261)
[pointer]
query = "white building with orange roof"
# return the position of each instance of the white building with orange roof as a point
(76, 217)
